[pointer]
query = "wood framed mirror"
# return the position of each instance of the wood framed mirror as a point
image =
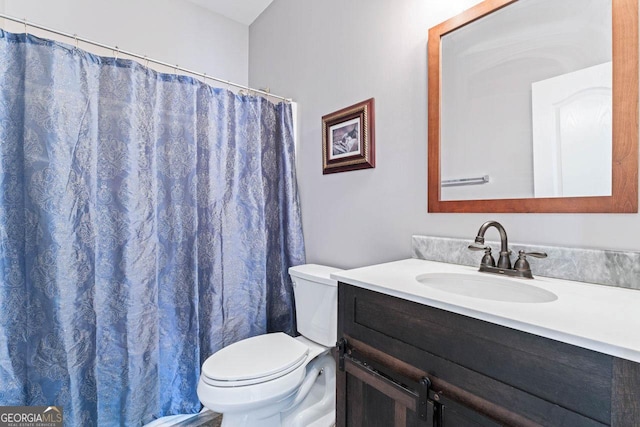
(472, 108)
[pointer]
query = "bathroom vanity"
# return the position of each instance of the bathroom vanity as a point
(415, 354)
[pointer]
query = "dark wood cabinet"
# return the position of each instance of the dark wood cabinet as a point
(406, 364)
(377, 400)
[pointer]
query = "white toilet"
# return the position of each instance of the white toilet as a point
(275, 380)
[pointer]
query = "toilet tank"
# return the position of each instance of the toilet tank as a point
(316, 297)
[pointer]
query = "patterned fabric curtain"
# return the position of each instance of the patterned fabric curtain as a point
(146, 221)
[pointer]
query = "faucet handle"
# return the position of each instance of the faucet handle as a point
(478, 247)
(487, 259)
(522, 264)
(533, 254)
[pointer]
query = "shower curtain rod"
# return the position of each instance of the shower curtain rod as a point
(143, 57)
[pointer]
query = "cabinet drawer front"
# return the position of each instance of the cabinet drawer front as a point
(519, 371)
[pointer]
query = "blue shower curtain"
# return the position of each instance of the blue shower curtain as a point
(146, 221)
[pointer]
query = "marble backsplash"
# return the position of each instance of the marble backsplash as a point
(603, 267)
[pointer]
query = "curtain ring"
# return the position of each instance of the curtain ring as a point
(116, 51)
(25, 26)
(204, 78)
(75, 36)
(146, 64)
(175, 69)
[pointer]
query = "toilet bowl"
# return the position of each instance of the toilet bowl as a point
(275, 380)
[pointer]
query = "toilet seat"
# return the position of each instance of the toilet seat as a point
(237, 365)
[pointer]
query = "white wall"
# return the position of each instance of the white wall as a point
(174, 31)
(330, 54)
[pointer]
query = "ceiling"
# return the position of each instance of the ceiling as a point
(243, 11)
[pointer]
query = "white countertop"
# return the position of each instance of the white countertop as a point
(601, 318)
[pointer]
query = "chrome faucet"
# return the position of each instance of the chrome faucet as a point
(521, 268)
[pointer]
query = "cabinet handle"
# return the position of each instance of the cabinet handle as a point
(342, 348)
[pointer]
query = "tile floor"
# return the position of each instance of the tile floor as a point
(203, 419)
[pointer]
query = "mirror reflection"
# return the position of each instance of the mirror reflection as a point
(526, 103)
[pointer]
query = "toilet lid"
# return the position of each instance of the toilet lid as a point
(254, 360)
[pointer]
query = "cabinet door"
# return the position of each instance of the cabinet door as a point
(369, 398)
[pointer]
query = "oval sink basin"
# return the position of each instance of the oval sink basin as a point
(487, 287)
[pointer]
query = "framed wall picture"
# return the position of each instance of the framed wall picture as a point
(348, 138)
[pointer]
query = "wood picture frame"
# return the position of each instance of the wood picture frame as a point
(348, 138)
